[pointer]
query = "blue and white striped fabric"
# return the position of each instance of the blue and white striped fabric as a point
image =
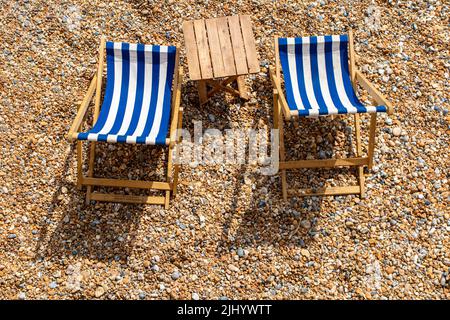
(136, 106)
(317, 79)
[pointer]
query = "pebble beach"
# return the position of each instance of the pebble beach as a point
(228, 234)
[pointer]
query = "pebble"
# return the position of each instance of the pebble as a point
(99, 292)
(305, 253)
(240, 252)
(306, 224)
(397, 131)
(155, 268)
(233, 268)
(176, 275)
(195, 296)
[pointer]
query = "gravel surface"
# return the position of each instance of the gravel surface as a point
(227, 234)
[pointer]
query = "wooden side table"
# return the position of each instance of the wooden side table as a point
(220, 48)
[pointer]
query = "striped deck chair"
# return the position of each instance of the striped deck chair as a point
(320, 79)
(137, 108)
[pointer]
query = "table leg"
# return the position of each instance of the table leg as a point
(242, 87)
(202, 91)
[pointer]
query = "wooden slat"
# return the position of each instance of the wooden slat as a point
(237, 42)
(127, 198)
(217, 85)
(249, 44)
(372, 130)
(202, 91)
(191, 50)
(96, 112)
(276, 83)
(175, 106)
(326, 163)
(76, 124)
(214, 47)
(79, 163)
(242, 87)
(278, 124)
(203, 49)
(225, 46)
(330, 191)
(125, 183)
(98, 92)
(359, 153)
(351, 58)
(277, 58)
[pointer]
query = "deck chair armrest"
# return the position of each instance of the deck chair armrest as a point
(374, 93)
(277, 85)
(177, 111)
(76, 124)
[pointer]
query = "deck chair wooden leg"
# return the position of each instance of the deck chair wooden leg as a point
(373, 127)
(242, 87)
(176, 169)
(359, 154)
(90, 171)
(202, 91)
(169, 176)
(278, 124)
(79, 164)
(283, 158)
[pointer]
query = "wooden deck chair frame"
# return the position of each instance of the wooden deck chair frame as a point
(170, 186)
(281, 108)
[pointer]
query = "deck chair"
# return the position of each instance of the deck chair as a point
(320, 79)
(137, 106)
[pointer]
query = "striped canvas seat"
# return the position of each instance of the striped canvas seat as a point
(317, 79)
(136, 106)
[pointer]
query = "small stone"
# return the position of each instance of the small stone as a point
(240, 252)
(53, 285)
(142, 295)
(443, 280)
(306, 224)
(195, 296)
(211, 117)
(12, 236)
(233, 268)
(176, 275)
(22, 296)
(390, 270)
(322, 154)
(64, 190)
(305, 253)
(155, 268)
(99, 291)
(397, 131)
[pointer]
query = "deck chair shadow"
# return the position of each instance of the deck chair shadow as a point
(137, 108)
(320, 79)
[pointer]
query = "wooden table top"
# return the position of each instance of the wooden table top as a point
(220, 47)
